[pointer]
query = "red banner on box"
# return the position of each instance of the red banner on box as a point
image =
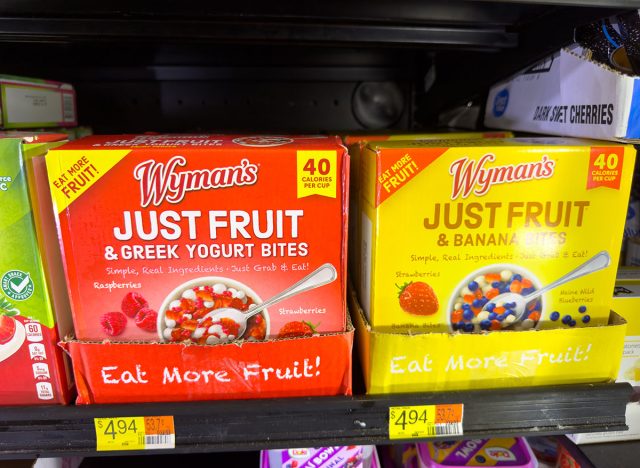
(146, 372)
(605, 167)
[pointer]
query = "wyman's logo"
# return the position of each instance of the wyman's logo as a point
(477, 177)
(165, 182)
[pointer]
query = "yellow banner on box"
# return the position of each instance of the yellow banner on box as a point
(316, 173)
(72, 172)
(401, 363)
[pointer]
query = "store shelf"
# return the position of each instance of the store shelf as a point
(279, 423)
(291, 66)
(481, 11)
(613, 454)
(466, 24)
(275, 31)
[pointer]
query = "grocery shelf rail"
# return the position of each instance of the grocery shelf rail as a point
(272, 32)
(294, 422)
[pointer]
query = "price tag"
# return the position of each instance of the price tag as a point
(135, 433)
(418, 422)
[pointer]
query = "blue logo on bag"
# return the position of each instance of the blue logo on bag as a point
(500, 103)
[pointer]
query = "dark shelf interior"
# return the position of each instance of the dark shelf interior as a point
(613, 454)
(285, 67)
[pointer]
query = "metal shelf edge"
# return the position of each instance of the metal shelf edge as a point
(316, 421)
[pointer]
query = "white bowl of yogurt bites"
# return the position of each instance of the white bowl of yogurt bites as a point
(472, 308)
(185, 314)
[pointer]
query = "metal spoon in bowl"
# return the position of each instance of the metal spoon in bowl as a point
(595, 263)
(323, 275)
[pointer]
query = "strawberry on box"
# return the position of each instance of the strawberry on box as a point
(418, 298)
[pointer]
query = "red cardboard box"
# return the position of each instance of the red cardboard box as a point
(160, 230)
(320, 365)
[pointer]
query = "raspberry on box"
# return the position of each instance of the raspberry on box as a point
(147, 319)
(193, 223)
(133, 303)
(113, 323)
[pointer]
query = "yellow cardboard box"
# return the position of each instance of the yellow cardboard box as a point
(428, 362)
(449, 226)
(356, 145)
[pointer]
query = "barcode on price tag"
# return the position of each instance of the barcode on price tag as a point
(159, 432)
(416, 422)
(135, 433)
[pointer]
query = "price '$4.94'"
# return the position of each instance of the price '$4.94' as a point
(135, 433)
(415, 422)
